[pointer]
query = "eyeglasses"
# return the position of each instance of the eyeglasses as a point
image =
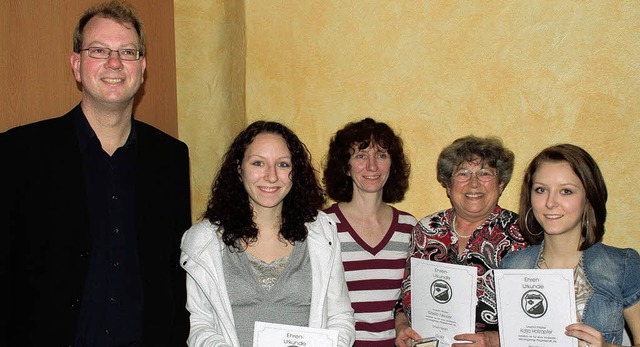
(484, 175)
(129, 54)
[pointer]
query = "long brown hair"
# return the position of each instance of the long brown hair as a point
(587, 170)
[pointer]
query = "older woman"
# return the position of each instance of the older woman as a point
(476, 231)
(563, 199)
(366, 170)
(264, 252)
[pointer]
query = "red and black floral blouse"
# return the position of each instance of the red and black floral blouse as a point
(433, 239)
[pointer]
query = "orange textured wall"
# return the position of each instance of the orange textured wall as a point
(534, 73)
(210, 76)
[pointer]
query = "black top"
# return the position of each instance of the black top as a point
(111, 309)
(47, 239)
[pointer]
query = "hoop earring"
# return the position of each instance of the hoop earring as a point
(526, 223)
(585, 223)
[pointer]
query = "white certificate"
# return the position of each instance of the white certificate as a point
(443, 299)
(534, 307)
(281, 335)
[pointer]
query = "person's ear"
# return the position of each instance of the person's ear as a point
(75, 65)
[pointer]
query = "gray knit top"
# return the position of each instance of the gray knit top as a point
(279, 292)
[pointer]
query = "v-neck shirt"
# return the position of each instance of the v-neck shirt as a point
(374, 275)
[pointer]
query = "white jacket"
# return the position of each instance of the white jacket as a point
(208, 301)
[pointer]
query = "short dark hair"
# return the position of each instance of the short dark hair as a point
(339, 184)
(120, 12)
(229, 204)
(586, 168)
(489, 150)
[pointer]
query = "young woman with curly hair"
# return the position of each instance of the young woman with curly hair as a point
(264, 252)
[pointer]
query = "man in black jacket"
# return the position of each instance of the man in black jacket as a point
(92, 208)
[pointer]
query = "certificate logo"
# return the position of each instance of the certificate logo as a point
(534, 304)
(440, 291)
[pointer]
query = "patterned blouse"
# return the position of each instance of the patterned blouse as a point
(433, 239)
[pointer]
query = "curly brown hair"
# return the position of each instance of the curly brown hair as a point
(338, 183)
(229, 205)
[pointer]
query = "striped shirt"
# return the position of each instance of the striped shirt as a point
(374, 276)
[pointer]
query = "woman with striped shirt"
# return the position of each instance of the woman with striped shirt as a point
(366, 169)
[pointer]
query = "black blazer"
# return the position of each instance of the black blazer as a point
(45, 238)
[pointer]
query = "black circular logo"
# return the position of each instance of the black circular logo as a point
(441, 291)
(534, 304)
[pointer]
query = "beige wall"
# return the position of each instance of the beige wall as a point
(534, 73)
(210, 73)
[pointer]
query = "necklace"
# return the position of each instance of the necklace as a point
(543, 262)
(453, 229)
